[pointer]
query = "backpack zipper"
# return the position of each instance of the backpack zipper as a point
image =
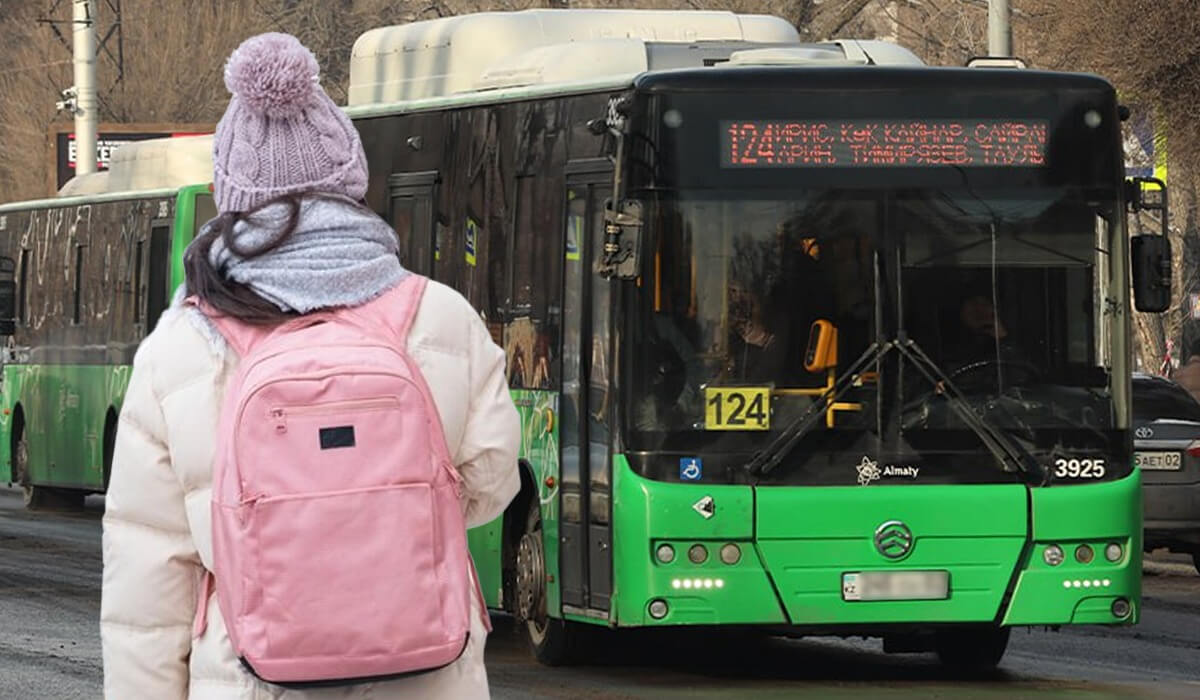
(280, 413)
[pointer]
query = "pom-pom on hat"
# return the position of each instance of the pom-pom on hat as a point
(281, 133)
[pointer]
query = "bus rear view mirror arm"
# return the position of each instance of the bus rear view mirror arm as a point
(622, 240)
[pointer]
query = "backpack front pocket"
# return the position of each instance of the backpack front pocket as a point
(373, 439)
(347, 574)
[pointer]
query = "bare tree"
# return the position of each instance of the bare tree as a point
(1149, 50)
(173, 57)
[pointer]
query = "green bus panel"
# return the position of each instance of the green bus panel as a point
(811, 536)
(797, 542)
(485, 545)
(1095, 515)
(648, 514)
(539, 458)
(65, 408)
(186, 227)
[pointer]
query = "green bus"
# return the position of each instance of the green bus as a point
(89, 276)
(806, 338)
(809, 338)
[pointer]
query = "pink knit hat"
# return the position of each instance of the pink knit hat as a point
(281, 133)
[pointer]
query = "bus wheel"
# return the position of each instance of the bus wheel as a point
(40, 497)
(553, 641)
(972, 648)
(35, 496)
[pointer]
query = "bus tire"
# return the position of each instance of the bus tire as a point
(972, 648)
(553, 641)
(35, 497)
(40, 497)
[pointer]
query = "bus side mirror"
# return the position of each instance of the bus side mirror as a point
(822, 346)
(1151, 255)
(1151, 273)
(8, 297)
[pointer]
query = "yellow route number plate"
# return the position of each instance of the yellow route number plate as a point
(737, 408)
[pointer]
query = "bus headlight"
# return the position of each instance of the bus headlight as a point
(1113, 552)
(698, 554)
(731, 553)
(1053, 555)
(658, 608)
(1084, 554)
(665, 553)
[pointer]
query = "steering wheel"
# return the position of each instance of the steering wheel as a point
(1030, 372)
(920, 412)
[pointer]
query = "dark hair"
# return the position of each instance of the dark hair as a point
(224, 295)
(210, 283)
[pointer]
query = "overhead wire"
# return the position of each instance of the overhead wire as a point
(47, 64)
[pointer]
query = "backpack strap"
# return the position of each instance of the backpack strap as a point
(200, 621)
(396, 309)
(410, 290)
(241, 336)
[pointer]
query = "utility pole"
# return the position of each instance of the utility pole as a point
(83, 34)
(999, 31)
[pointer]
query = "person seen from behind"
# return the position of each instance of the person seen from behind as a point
(303, 538)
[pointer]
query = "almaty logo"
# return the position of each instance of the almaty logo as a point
(868, 471)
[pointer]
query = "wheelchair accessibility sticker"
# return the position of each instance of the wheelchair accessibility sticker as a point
(691, 469)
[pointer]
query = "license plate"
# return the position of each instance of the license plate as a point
(896, 585)
(1166, 461)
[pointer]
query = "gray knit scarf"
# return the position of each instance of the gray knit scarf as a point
(339, 255)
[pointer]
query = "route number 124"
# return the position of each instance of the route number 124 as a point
(737, 408)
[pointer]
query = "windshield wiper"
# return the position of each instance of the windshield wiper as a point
(770, 456)
(1010, 453)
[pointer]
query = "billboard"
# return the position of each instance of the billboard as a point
(109, 138)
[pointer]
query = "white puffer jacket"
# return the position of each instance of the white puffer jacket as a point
(157, 538)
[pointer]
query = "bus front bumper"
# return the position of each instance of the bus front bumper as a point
(757, 559)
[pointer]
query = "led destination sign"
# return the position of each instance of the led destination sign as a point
(875, 143)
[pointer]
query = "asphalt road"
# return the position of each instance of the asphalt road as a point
(50, 648)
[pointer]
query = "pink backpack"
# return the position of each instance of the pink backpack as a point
(339, 546)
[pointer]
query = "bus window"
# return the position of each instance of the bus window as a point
(23, 301)
(521, 263)
(157, 292)
(76, 316)
(137, 282)
(533, 273)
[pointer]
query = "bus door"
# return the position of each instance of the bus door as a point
(585, 529)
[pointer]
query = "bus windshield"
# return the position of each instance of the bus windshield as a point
(1008, 293)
